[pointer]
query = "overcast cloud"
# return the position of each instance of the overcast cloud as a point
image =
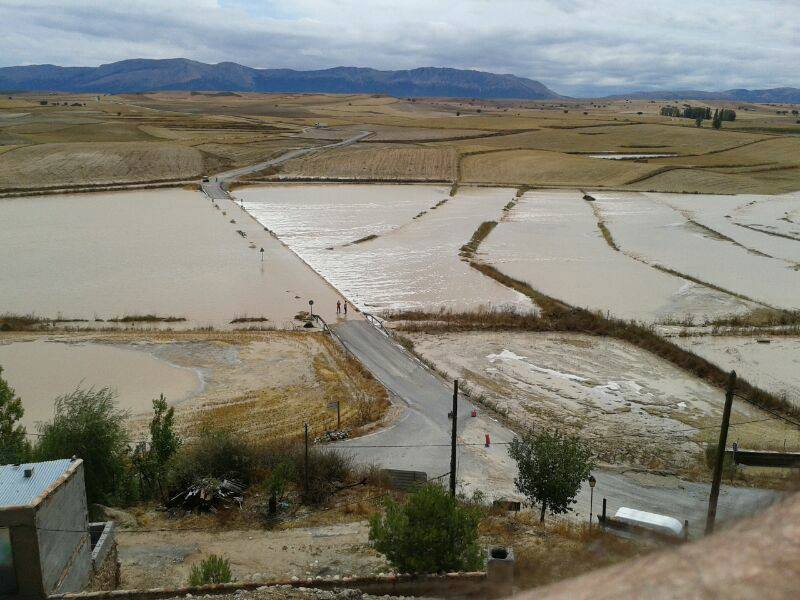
(576, 47)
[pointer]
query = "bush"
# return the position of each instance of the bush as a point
(87, 424)
(431, 533)
(213, 569)
(215, 453)
(14, 447)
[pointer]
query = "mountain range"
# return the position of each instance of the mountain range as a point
(180, 74)
(140, 75)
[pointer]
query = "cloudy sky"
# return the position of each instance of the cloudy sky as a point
(578, 47)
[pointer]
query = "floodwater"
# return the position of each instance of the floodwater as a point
(551, 240)
(620, 156)
(412, 264)
(165, 252)
(773, 366)
(662, 235)
(766, 224)
(41, 370)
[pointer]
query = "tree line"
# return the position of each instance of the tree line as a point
(699, 112)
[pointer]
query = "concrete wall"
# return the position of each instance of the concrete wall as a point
(24, 544)
(63, 537)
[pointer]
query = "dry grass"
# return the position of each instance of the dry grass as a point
(536, 167)
(484, 229)
(280, 412)
(81, 163)
(376, 163)
(556, 550)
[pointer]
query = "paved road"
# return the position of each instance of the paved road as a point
(419, 440)
(215, 189)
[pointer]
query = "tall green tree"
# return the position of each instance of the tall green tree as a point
(151, 459)
(87, 424)
(551, 469)
(14, 447)
(431, 533)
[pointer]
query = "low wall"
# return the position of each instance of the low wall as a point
(450, 585)
(105, 559)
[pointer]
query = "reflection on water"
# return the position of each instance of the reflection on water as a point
(413, 263)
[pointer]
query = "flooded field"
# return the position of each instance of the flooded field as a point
(774, 366)
(40, 370)
(410, 258)
(653, 231)
(635, 408)
(252, 382)
(163, 252)
(551, 240)
(620, 156)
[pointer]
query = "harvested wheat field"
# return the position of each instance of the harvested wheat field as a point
(99, 162)
(534, 167)
(255, 383)
(375, 163)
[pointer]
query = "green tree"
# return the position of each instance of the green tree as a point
(431, 533)
(150, 460)
(14, 447)
(551, 469)
(87, 424)
(716, 123)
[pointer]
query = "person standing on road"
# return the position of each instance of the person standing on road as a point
(338, 307)
(345, 308)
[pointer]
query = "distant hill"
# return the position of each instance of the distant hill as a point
(783, 95)
(141, 75)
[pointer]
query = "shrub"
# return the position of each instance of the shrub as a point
(14, 447)
(431, 533)
(215, 453)
(87, 424)
(213, 569)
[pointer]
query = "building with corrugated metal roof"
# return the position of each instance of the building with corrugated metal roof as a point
(45, 540)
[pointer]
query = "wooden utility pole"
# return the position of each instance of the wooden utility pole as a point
(453, 440)
(723, 439)
(305, 464)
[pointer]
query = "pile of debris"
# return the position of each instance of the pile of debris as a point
(207, 494)
(333, 435)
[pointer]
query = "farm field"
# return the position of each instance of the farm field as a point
(774, 366)
(413, 259)
(168, 253)
(654, 232)
(139, 138)
(225, 379)
(633, 407)
(551, 240)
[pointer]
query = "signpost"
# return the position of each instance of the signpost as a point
(335, 404)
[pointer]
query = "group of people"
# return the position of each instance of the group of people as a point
(339, 307)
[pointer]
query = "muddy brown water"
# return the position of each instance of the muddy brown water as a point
(42, 370)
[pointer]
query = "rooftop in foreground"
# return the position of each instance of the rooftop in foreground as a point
(26, 484)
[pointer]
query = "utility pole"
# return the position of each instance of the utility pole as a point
(453, 440)
(723, 439)
(305, 464)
